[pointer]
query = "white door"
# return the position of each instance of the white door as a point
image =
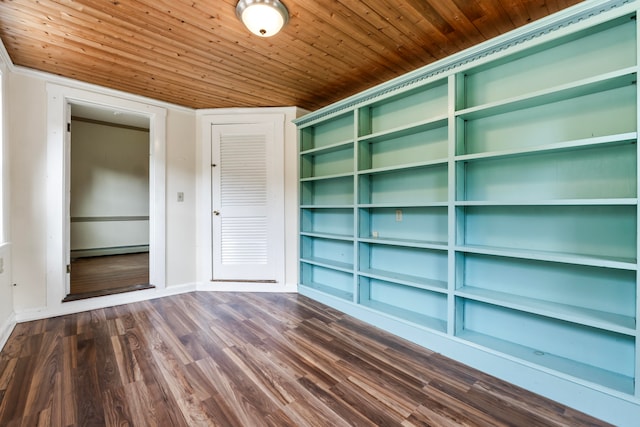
(247, 202)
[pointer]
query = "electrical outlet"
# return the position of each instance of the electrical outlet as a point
(180, 196)
(398, 215)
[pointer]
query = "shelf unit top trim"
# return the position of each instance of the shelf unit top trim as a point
(440, 69)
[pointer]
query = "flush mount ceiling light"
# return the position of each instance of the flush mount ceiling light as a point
(263, 18)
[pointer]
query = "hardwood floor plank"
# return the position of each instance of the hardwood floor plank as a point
(69, 365)
(126, 362)
(234, 391)
(369, 407)
(88, 398)
(101, 275)
(116, 407)
(45, 374)
(336, 404)
(14, 399)
(229, 359)
(142, 411)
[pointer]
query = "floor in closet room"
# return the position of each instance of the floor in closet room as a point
(109, 274)
(243, 359)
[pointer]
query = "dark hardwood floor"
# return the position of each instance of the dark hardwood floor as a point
(106, 275)
(228, 359)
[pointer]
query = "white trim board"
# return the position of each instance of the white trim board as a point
(57, 246)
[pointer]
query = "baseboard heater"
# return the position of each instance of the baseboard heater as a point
(119, 250)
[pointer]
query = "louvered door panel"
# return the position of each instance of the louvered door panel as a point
(244, 212)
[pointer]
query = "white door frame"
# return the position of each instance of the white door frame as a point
(271, 209)
(57, 220)
(205, 237)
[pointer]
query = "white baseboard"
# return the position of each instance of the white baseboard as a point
(119, 250)
(6, 329)
(79, 306)
(247, 287)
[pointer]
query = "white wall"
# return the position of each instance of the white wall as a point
(28, 203)
(109, 180)
(27, 177)
(181, 216)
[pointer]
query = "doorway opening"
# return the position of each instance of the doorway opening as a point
(108, 190)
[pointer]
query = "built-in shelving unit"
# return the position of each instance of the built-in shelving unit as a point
(490, 203)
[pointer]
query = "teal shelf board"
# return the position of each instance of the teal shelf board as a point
(329, 290)
(429, 124)
(405, 242)
(403, 167)
(402, 205)
(407, 315)
(558, 202)
(405, 279)
(576, 89)
(559, 364)
(342, 145)
(566, 258)
(332, 236)
(594, 142)
(326, 207)
(328, 263)
(597, 319)
(326, 177)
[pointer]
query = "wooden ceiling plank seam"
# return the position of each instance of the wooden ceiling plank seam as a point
(399, 28)
(194, 102)
(379, 81)
(440, 26)
(354, 30)
(537, 9)
(198, 54)
(517, 11)
(245, 54)
(495, 19)
(158, 87)
(258, 79)
(330, 36)
(143, 71)
(347, 60)
(469, 34)
(477, 13)
(88, 52)
(230, 72)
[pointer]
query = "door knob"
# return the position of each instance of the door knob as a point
(216, 213)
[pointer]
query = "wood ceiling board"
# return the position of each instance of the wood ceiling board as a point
(197, 54)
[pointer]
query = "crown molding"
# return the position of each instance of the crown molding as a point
(573, 19)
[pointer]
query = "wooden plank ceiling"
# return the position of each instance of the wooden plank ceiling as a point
(197, 54)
